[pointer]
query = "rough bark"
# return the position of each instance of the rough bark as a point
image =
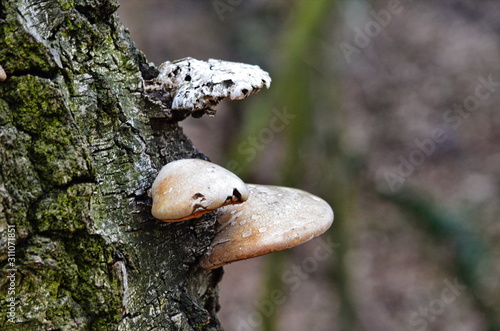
(80, 145)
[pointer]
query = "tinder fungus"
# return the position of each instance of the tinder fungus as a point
(272, 219)
(189, 188)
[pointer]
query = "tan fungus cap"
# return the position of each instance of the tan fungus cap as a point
(272, 219)
(188, 188)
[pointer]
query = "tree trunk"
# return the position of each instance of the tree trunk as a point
(80, 145)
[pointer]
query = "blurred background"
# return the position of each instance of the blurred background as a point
(386, 109)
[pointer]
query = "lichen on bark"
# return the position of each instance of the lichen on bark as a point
(80, 145)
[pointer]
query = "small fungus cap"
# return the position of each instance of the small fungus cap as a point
(188, 188)
(272, 219)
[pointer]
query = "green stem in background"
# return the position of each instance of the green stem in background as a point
(294, 89)
(335, 178)
(336, 181)
(344, 201)
(470, 250)
(295, 83)
(292, 92)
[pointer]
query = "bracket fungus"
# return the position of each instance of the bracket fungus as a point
(189, 188)
(252, 220)
(272, 219)
(191, 86)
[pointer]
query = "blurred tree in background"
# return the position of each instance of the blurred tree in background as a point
(387, 109)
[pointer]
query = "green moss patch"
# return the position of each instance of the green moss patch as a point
(39, 110)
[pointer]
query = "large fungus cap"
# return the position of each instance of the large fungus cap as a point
(188, 188)
(272, 219)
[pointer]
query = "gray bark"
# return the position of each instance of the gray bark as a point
(80, 145)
